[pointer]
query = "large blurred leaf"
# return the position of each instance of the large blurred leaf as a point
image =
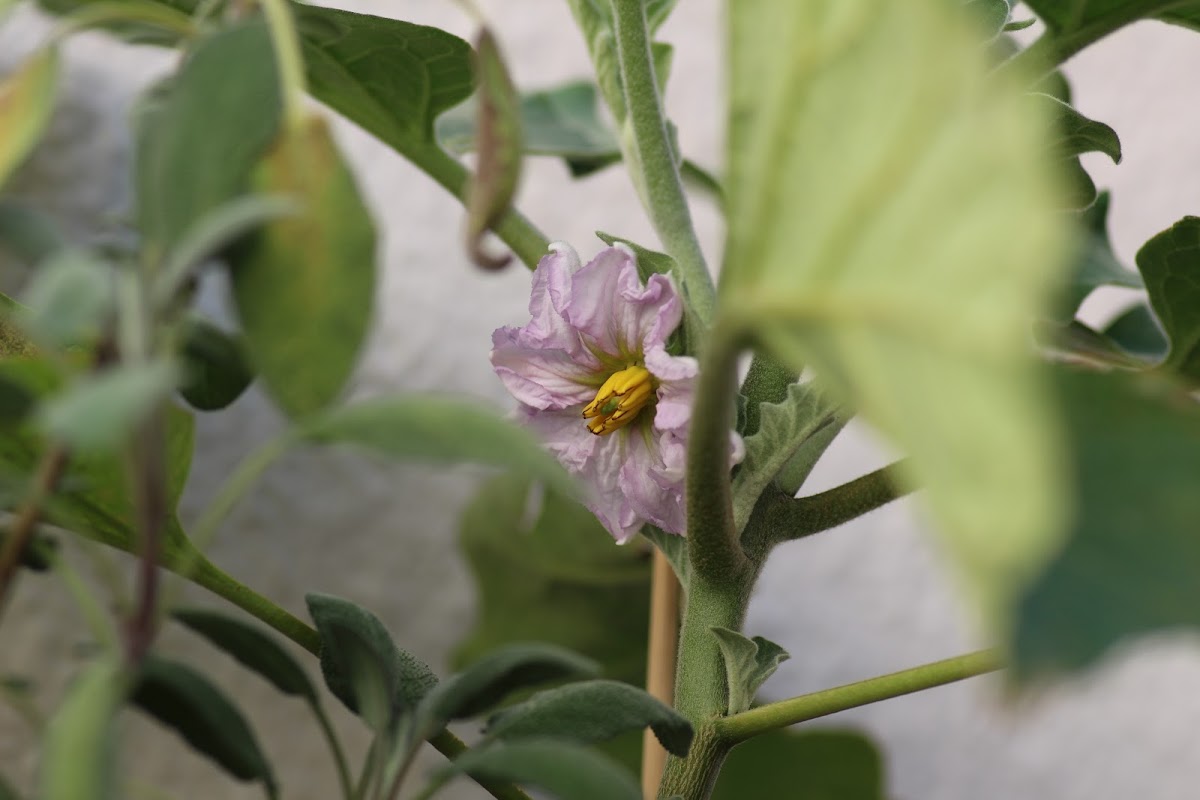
(94, 497)
(591, 712)
(440, 430)
(392, 78)
(889, 263)
(304, 286)
(26, 102)
(78, 762)
(201, 134)
(1131, 563)
(813, 765)
(100, 412)
(563, 771)
(1170, 265)
(69, 300)
(183, 699)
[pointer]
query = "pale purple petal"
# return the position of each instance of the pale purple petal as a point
(549, 297)
(676, 384)
(545, 378)
(560, 431)
(650, 489)
(615, 312)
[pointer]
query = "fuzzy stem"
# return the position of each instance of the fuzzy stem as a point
(803, 516)
(664, 197)
(740, 727)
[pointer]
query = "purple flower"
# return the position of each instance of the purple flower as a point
(594, 380)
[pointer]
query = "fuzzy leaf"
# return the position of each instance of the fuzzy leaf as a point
(362, 665)
(317, 266)
(99, 413)
(1076, 134)
(748, 664)
(68, 301)
(483, 685)
(253, 647)
(835, 765)
(562, 771)
(183, 699)
(440, 430)
(888, 264)
(1095, 263)
(1137, 332)
(26, 103)
(591, 712)
(783, 429)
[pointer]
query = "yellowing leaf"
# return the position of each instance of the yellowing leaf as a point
(26, 101)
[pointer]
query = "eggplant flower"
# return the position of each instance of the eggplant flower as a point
(594, 380)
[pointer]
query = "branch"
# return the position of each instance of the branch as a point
(654, 157)
(20, 533)
(740, 727)
(151, 509)
(786, 519)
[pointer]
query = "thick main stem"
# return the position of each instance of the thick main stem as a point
(654, 157)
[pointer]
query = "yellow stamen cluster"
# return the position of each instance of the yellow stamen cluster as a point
(619, 400)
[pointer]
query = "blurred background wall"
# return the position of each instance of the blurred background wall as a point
(869, 598)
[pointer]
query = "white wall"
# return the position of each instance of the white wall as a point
(866, 599)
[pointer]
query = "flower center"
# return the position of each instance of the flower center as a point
(619, 400)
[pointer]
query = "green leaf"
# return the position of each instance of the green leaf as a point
(7, 792)
(1076, 342)
(813, 765)
(591, 712)
(216, 367)
(1137, 332)
(1096, 264)
(649, 262)
(94, 497)
(362, 665)
(500, 143)
(674, 549)
(484, 684)
(1076, 133)
(392, 78)
(81, 741)
(992, 14)
(27, 235)
(1170, 265)
(441, 430)
(26, 103)
(563, 121)
(318, 266)
(184, 700)
(1129, 567)
(253, 647)
(201, 136)
(562, 771)
(783, 429)
(68, 301)
(100, 412)
(1077, 23)
(748, 664)
(889, 265)
(216, 230)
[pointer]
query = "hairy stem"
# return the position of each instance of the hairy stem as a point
(654, 156)
(798, 517)
(151, 510)
(740, 727)
(24, 525)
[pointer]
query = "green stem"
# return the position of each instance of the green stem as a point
(713, 548)
(155, 14)
(654, 156)
(288, 58)
(452, 747)
(740, 727)
(526, 241)
(335, 749)
(796, 518)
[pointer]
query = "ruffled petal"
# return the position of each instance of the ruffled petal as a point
(564, 434)
(542, 377)
(676, 385)
(611, 308)
(651, 489)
